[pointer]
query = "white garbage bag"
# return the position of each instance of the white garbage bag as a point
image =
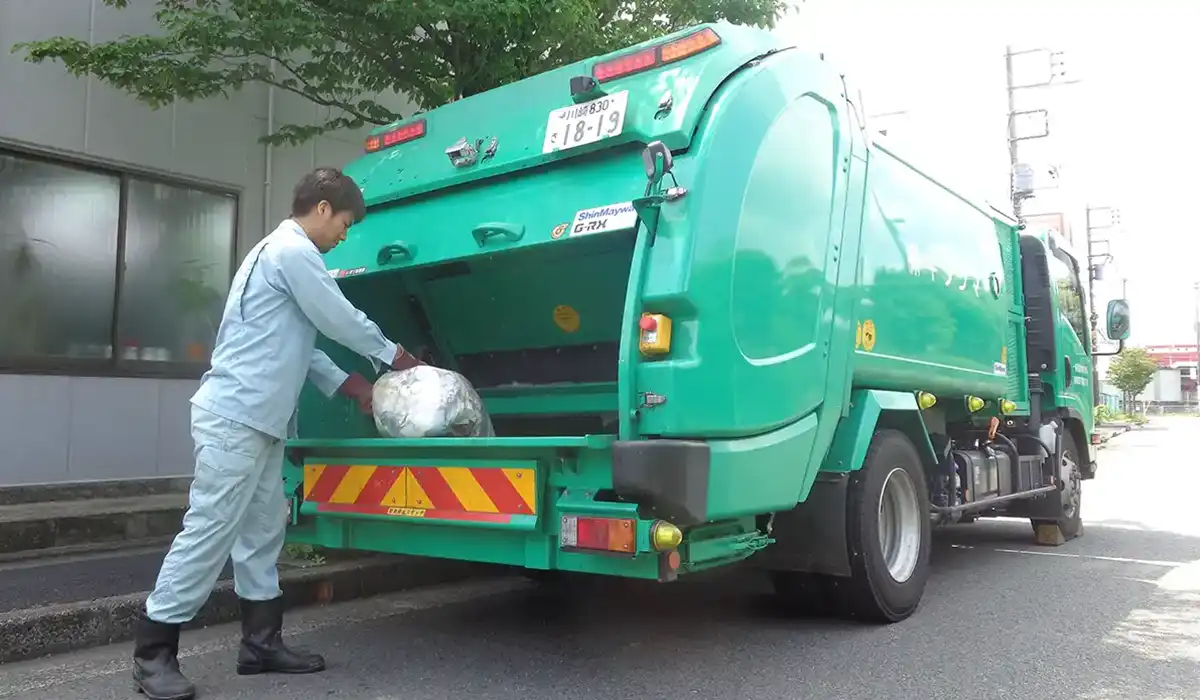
(428, 402)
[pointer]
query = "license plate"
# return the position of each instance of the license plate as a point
(588, 122)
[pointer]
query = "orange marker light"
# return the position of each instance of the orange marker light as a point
(689, 45)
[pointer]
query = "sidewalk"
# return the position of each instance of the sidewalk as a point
(78, 560)
(54, 628)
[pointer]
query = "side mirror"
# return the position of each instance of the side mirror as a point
(1118, 319)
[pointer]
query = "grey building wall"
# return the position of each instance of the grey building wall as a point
(69, 428)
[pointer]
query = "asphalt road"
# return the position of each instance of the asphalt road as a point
(36, 582)
(1114, 615)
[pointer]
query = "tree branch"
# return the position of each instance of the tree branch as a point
(342, 54)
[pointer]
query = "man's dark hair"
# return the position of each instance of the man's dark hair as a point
(331, 185)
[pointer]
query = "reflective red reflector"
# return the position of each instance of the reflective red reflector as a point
(395, 137)
(602, 534)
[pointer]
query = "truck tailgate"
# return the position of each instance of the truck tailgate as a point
(490, 482)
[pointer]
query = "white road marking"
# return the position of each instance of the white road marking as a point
(24, 677)
(1096, 557)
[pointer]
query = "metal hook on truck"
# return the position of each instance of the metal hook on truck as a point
(713, 319)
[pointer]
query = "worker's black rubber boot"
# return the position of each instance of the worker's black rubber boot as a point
(156, 662)
(263, 650)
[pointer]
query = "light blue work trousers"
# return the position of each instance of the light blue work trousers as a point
(236, 509)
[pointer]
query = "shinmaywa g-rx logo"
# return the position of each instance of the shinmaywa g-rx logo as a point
(611, 217)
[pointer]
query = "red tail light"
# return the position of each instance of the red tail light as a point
(602, 534)
(626, 65)
(655, 56)
(395, 137)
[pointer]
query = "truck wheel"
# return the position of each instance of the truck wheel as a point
(889, 533)
(1071, 522)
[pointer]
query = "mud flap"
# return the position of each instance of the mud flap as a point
(812, 536)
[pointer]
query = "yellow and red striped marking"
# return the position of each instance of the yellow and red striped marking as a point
(457, 493)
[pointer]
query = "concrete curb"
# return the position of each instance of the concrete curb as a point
(54, 629)
(1116, 430)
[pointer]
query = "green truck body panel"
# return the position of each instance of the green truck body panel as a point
(395, 174)
(814, 282)
(936, 287)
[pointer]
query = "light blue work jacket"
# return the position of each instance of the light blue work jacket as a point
(281, 297)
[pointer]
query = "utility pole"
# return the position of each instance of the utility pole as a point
(1093, 273)
(1021, 188)
(1091, 287)
(1196, 285)
(1013, 161)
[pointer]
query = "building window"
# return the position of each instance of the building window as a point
(105, 272)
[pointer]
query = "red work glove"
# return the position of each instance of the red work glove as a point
(404, 360)
(358, 388)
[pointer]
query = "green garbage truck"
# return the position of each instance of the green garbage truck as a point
(713, 319)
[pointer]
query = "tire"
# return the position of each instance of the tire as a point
(888, 532)
(1071, 522)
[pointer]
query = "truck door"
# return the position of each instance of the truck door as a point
(1074, 339)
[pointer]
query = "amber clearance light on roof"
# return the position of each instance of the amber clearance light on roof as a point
(655, 56)
(396, 136)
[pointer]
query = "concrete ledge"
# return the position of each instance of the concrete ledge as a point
(40, 526)
(54, 629)
(86, 490)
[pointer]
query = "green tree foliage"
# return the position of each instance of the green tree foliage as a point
(1131, 371)
(343, 54)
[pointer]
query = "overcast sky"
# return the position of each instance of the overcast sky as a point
(1125, 136)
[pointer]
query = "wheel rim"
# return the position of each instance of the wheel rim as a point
(1072, 485)
(899, 525)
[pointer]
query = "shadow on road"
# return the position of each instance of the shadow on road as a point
(1112, 615)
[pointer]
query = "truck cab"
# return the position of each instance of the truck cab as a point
(1071, 373)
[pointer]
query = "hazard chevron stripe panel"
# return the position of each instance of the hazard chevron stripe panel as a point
(372, 488)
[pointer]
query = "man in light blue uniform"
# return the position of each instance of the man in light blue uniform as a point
(281, 297)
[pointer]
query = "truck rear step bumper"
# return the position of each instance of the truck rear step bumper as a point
(668, 478)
